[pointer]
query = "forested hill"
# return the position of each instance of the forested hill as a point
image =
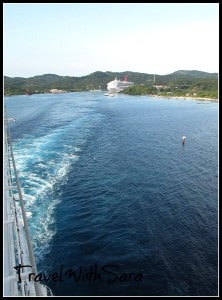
(183, 79)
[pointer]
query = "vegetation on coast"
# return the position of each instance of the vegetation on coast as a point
(180, 83)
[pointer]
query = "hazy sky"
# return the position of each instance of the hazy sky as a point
(78, 39)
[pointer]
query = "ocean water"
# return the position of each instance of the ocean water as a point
(117, 205)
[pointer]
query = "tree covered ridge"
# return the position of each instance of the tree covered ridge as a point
(182, 82)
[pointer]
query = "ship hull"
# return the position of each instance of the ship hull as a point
(117, 86)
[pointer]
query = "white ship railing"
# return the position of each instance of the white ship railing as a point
(18, 249)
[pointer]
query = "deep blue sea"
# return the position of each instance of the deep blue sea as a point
(117, 205)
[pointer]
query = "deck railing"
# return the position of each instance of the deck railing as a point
(19, 259)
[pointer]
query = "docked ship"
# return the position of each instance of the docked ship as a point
(116, 85)
(19, 260)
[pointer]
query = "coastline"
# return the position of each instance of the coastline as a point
(187, 98)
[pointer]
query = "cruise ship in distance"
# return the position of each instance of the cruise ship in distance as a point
(117, 85)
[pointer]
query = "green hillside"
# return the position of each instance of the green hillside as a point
(182, 82)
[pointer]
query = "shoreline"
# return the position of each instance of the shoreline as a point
(187, 98)
(150, 95)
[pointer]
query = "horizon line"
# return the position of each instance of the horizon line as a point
(109, 72)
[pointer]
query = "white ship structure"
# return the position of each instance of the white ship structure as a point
(116, 85)
(18, 255)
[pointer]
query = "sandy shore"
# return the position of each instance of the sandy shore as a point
(187, 98)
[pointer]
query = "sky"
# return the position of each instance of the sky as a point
(78, 39)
